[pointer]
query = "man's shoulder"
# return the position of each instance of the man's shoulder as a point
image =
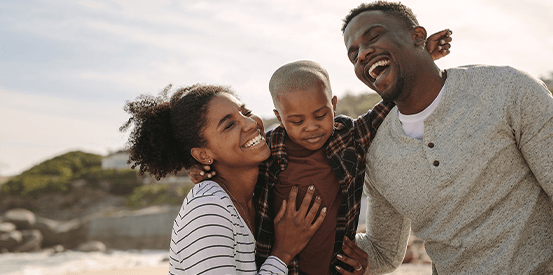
(485, 71)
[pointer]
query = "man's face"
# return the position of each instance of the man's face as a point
(307, 116)
(378, 45)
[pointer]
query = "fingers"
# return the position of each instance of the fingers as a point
(352, 250)
(281, 212)
(319, 220)
(314, 209)
(358, 268)
(438, 35)
(306, 201)
(206, 171)
(198, 173)
(292, 199)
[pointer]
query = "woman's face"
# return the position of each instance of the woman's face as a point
(235, 136)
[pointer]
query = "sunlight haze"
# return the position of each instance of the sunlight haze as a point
(67, 67)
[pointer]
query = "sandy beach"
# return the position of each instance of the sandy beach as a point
(162, 269)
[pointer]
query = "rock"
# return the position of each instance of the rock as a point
(10, 240)
(22, 218)
(71, 233)
(7, 227)
(54, 249)
(92, 246)
(48, 229)
(32, 241)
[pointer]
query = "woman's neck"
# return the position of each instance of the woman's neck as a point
(239, 182)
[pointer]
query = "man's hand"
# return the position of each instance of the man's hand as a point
(355, 257)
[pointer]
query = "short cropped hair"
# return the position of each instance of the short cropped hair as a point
(297, 76)
(400, 11)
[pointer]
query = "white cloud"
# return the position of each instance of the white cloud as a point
(34, 128)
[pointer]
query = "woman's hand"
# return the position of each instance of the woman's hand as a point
(355, 257)
(198, 173)
(294, 229)
(438, 44)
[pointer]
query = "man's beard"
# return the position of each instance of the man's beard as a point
(395, 91)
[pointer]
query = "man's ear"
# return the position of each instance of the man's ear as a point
(278, 117)
(419, 35)
(202, 155)
(334, 101)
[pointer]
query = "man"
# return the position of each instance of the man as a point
(465, 158)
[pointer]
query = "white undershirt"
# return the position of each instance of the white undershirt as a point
(413, 125)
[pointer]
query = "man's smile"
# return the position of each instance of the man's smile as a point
(378, 68)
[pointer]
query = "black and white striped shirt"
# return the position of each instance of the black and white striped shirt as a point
(210, 237)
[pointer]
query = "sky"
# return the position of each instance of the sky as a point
(68, 67)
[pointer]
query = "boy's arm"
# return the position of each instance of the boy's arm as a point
(387, 233)
(366, 125)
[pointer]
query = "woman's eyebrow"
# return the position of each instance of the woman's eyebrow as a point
(225, 118)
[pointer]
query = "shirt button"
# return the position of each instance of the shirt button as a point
(431, 145)
(436, 163)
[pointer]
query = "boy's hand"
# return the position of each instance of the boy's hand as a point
(198, 173)
(438, 44)
(355, 257)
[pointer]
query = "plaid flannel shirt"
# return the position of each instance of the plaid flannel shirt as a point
(345, 150)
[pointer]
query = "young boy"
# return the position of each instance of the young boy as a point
(313, 147)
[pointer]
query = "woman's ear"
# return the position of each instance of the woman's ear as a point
(201, 155)
(419, 35)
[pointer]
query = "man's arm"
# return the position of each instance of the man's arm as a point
(387, 232)
(532, 122)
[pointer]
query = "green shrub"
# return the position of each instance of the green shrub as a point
(54, 175)
(155, 194)
(121, 182)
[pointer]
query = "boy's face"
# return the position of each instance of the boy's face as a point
(307, 115)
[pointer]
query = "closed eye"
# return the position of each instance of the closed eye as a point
(374, 38)
(353, 57)
(321, 116)
(229, 126)
(297, 122)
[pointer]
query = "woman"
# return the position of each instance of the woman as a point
(213, 233)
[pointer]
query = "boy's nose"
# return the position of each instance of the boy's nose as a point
(311, 126)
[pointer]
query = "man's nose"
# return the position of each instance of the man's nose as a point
(364, 54)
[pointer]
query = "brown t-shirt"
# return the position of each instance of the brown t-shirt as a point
(306, 168)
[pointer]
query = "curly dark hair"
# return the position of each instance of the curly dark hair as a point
(396, 9)
(166, 129)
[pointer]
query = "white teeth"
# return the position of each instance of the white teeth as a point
(383, 62)
(254, 141)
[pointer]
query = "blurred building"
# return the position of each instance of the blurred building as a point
(118, 160)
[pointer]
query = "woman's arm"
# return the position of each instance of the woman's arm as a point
(202, 241)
